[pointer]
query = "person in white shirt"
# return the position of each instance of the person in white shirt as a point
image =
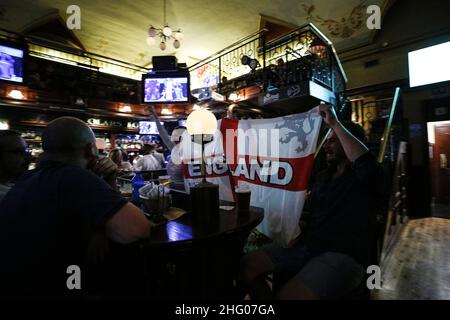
(14, 159)
(151, 160)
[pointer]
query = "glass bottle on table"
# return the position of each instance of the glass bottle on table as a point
(137, 182)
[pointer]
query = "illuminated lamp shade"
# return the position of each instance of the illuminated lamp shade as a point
(16, 94)
(167, 31)
(176, 44)
(178, 35)
(162, 45)
(200, 122)
(152, 32)
(151, 41)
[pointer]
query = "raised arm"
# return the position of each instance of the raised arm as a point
(162, 131)
(353, 148)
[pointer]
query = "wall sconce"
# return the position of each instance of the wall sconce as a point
(166, 111)
(125, 108)
(79, 102)
(16, 94)
(4, 125)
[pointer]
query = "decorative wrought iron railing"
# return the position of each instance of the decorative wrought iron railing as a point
(396, 213)
(226, 62)
(303, 54)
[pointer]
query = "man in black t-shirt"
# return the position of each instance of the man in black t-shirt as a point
(49, 216)
(329, 259)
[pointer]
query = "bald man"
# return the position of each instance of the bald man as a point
(47, 218)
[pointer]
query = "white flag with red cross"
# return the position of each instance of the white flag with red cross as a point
(274, 157)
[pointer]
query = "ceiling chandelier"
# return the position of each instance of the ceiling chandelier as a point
(165, 34)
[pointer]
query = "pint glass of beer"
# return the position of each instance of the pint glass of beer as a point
(243, 195)
(164, 180)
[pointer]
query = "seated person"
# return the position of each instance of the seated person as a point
(119, 157)
(48, 219)
(331, 255)
(14, 159)
(151, 160)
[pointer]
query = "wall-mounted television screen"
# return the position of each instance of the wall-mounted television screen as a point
(182, 123)
(148, 127)
(429, 65)
(167, 87)
(12, 62)
(202, 93)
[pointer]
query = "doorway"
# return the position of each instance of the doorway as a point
(439, 154)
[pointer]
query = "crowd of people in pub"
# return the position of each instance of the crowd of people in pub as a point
(50, 216)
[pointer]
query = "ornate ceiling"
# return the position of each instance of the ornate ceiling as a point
(118, 29)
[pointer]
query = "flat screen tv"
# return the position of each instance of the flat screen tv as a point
(166, 87)
(429, 65)
(148, 127)
(12, 61)
(182, 123)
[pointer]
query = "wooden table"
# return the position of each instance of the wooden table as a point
(184, 259)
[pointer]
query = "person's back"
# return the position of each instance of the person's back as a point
(48, 218)
(51, 211)
(148, 163)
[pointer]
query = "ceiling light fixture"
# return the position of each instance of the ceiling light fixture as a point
(165, 34)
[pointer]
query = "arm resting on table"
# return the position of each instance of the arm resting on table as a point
(128, 224)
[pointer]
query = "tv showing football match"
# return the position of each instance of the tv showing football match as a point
(165, 87)
(12, 59)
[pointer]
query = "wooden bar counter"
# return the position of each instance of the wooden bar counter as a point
(187, 259)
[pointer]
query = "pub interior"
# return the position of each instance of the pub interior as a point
(227, 150)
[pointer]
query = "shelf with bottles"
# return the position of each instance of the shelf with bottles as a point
(31, 136)
(34, 142)
(134, 142)
(103, 141)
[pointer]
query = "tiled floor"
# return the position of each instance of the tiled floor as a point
(419, 266)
